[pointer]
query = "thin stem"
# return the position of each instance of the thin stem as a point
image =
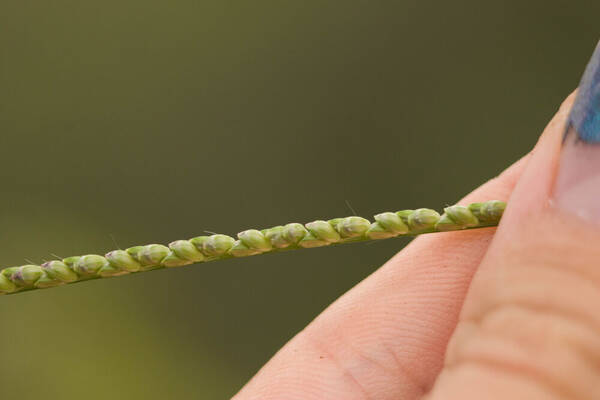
(249, 243)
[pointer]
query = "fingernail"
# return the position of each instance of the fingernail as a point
(577, 187)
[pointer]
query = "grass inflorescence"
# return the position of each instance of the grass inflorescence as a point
(248, 243)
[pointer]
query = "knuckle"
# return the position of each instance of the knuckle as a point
(531, 311)
(540, 344)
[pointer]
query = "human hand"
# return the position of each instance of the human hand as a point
(525, 326)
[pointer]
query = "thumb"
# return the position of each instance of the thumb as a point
(529, 327)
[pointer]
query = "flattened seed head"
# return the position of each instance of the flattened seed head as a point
(254, 239)
(7, 272)
(423, 219)
(26, 275)
(89, 264)
(310, 241)
(6, 285)
(172, 260)
(198, 243)
(216, 245)
(335, 222)
(462, 216)
(376, 231)
(70, 261)
(294, 232)
(121, 259)
(110, 270)
(58, 270)
(324, 231)
(45, 281)
(186, 251)
(446, 223)
(351, 227)
(239, 249)
(488, 212)
(276, 237)
(152, 255)
(492, 210)
(404, 214)
(392, 223)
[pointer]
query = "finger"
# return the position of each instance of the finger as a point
(530, 326)
(386, 337)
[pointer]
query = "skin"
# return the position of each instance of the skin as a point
(475, 314)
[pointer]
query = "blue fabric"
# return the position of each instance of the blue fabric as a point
(585, 114)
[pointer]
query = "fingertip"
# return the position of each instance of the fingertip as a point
(538, 278)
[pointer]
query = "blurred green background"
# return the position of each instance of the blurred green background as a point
(147, 121)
